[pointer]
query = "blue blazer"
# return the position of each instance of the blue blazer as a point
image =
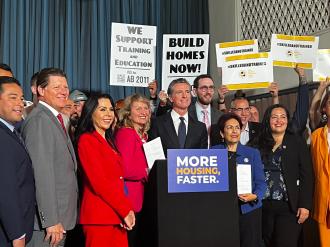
(247, 155)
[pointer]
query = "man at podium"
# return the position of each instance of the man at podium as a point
(176, 128)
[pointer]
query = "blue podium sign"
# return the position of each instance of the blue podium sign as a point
(197, 170)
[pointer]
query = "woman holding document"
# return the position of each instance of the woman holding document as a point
(134, 122)
(289, 178)
(251, 180)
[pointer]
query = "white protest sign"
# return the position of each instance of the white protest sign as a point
(288, 51)
(132, 61)
(248, 71)
(322, 68)
(184, 55)
(235, 48)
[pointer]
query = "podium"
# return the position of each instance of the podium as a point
(194, 219)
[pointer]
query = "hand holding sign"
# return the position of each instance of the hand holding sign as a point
(153, 88)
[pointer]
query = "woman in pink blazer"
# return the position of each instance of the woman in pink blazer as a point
(134, 122)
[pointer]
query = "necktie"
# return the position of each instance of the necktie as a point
(182, 132)
(206, 119)
(60, 118)
(19, 137)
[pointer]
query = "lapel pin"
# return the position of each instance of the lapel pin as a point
(284, 147)
(246, 160)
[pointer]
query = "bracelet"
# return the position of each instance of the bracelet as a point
(221, 102)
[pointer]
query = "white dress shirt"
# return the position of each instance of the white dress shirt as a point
(176, 120)
(245, 135)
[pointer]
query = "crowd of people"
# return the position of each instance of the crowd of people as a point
(76, 157)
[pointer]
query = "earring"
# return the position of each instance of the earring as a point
(324, 117)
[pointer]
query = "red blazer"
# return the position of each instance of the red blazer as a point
(103, 200)
(135, 164)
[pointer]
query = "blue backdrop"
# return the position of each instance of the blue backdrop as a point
(74, 35)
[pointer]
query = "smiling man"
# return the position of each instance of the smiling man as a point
(17, 193)
(177, 128)
(202, 109)
(53, 160)
(241, 107)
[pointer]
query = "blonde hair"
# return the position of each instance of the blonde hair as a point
(125, 112)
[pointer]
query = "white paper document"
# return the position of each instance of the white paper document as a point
(244, 183)
(153, 151)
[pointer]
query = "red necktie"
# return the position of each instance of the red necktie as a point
(60, 118)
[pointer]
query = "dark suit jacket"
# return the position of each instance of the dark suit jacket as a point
(214, 129)
(254, 130)
(17, 193)
(163, 127)
(297, 172)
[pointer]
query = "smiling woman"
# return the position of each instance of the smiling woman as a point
(289, 178)
(134, 122)
(103, 184)
(230, 126)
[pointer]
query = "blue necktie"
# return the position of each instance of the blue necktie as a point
(182, 132)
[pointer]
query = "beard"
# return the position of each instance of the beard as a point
(205, 101)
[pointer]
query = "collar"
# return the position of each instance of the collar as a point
(199, 107)
(53, 110)
(9, 125)
(247, 127)
(175, 116)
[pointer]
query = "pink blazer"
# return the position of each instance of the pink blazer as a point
(135, 164)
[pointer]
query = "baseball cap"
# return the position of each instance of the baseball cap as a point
(77, 96)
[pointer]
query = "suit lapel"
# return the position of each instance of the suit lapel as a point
(10, 133)
(324, 143)
(190, 133)
(59, 127)
(170, 129)
(192, 112)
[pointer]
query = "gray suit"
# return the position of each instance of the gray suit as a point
(54, 164)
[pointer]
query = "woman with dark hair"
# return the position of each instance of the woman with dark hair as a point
(105, 211)
(239, 155)
(289, 178)
(134, 122)
(320, 143)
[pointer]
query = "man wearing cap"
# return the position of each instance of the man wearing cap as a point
(79, 99)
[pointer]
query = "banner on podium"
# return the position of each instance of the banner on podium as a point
(197, 170)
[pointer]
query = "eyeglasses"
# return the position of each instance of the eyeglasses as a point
(232, 128)
(206, 88)
(247, 109)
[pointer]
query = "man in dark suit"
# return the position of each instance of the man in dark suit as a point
(202, 110)
(177, 128)
(53, 160)
(241, 107)
(17, 193)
